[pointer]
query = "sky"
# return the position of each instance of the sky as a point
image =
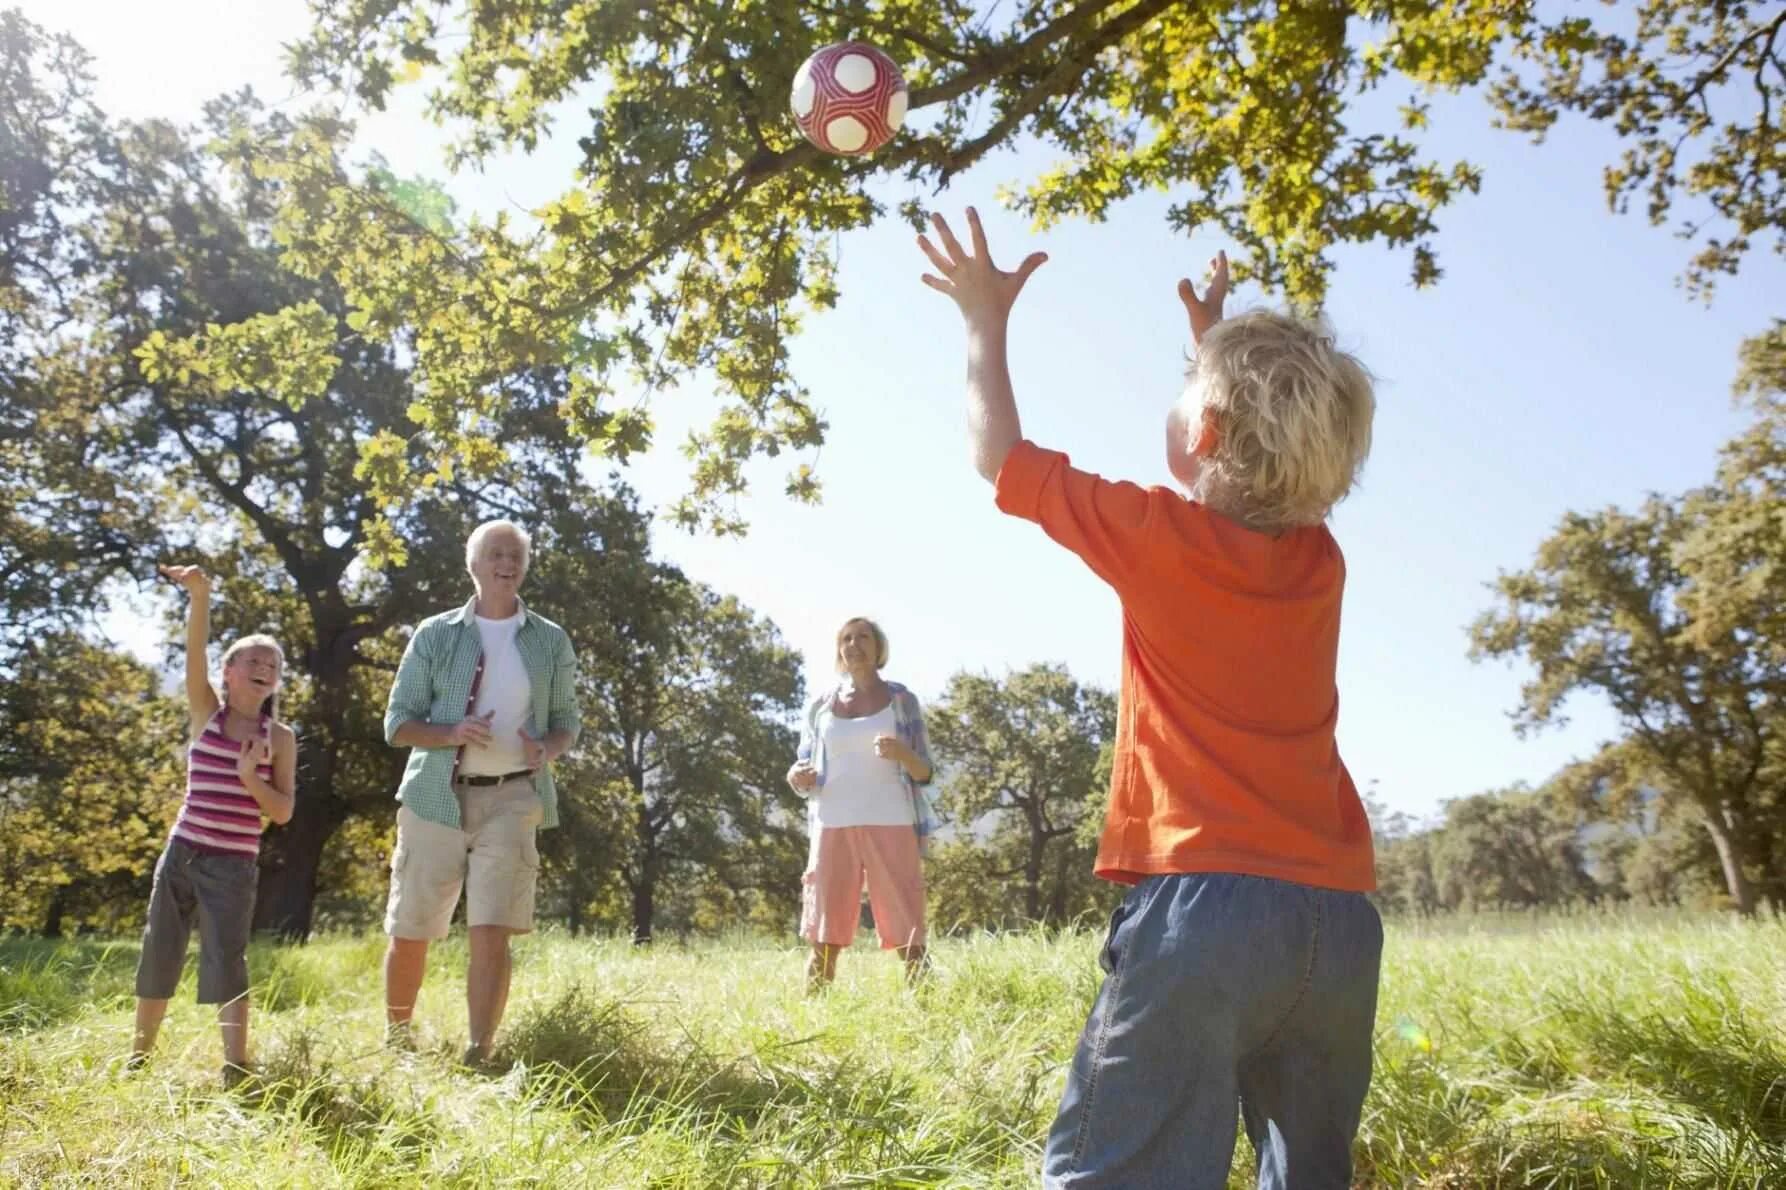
(1557, 367)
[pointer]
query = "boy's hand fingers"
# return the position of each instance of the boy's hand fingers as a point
(948, 237)
(1218, 278)
(938, 284)
(942, 263)
(1031, 263)
(977, 235)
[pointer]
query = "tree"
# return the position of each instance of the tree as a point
(1405, 880)
(1403, 848)
(67, 524)
(169, 406)
(1692, 90)
(1644, 846)
(1667, 613)
(1677, 615)
(1507, 849)
(679, 775)
(699, 228)
(1658, 855)
(1024, 770)
(89, 784)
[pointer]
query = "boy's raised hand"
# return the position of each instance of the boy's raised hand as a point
(982, 290)
(1206, 311)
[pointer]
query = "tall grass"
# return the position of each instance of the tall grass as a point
(1596, 1051)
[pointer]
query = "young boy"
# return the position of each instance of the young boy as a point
(1242, 966)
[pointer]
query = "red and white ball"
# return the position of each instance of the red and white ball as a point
(849, 98)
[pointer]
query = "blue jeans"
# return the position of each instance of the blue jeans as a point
(1223, 992)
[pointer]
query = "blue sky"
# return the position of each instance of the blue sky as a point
(1556, 367)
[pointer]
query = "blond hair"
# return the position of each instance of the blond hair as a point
(1292, 416)
(259, 640)
(880, 642)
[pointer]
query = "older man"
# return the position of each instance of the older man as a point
(485, 700)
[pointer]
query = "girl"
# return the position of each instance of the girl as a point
(242, 764)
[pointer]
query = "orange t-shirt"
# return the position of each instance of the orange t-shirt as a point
(1225, 758)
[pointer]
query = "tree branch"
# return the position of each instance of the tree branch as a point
(767, 164)
(271, 530)
(1067, 72)
(1710, 76)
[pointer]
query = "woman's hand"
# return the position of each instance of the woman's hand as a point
(891, 747)
(803, 776)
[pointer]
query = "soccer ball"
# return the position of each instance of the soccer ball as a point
(849, 98)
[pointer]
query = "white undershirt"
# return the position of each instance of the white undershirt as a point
(861, 789)
(505, 689)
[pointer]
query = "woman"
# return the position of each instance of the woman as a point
(862, 765)
(241, 765)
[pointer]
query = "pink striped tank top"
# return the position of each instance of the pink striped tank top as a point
(220, 815)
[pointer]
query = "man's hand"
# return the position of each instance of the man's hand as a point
(983, 291)
(1206, 311)
(472, 731)
(534, 750)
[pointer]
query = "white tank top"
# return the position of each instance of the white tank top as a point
(861, 789)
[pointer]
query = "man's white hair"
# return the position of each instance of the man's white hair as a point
(475, 543)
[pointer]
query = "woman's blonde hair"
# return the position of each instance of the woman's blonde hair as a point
(259, 640)
(880, 642)
(1292, 415)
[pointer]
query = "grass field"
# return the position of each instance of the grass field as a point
(1591, 1051)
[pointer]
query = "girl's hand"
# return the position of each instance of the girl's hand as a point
(193, 578)
(255, 752)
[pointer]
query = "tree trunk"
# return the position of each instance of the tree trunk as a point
(52, 917)
(643, 892)
(1057, 897)
(1730, 859)
(644, 888)
(1032, 872)
(290, 855)
(575, 900)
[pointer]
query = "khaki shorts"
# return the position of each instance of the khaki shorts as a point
(494, 858)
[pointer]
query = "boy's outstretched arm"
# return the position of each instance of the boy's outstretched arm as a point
(984, 293)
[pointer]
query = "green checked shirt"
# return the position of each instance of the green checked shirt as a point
(434, 685)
